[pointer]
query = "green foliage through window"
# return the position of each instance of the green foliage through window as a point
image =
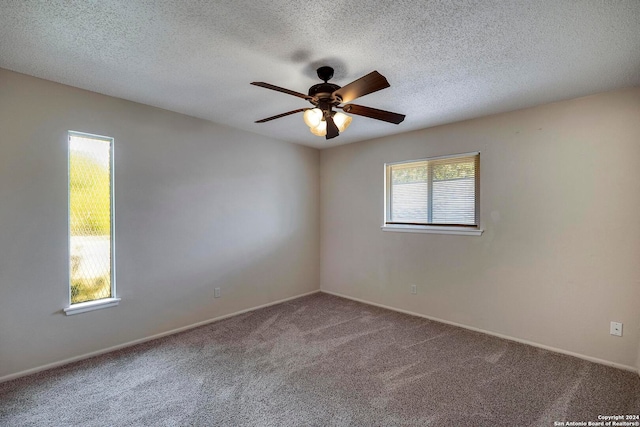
(441, 172)
(89, 193)
(448, 171)
(406, 175)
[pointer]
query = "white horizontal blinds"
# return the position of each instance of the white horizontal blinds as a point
(409, 196)
(454, 191)
(442, 191)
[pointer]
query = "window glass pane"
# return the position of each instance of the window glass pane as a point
(454, 200)
(89, 218)
(410, 193)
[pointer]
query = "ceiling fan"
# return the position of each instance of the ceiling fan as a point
(321, 119)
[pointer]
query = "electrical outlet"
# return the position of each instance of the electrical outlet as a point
(216, 293)
(616, 329)
(414, 289)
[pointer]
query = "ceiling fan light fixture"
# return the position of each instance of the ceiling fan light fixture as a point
(324, 97)
(342, 121)
(312, 117)
(320, 129)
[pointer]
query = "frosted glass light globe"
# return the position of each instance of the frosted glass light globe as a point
(320, 130)
(342, 121)
(312, 117)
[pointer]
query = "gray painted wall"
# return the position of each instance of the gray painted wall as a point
(198, 206)
(558, 260)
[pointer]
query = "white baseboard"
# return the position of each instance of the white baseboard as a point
(142, 340)
(495, 334)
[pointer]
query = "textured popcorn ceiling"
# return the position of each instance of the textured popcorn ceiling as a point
(446, 60)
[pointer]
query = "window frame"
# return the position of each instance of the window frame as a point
(113, 300)
(404, 227)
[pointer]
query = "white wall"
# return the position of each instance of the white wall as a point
(198, 206)
(559, 257)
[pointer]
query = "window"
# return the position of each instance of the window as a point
(437, 195)
(91, 266)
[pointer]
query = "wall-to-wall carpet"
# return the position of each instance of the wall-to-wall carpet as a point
(322, 360)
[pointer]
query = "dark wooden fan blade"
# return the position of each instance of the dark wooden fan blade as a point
(374, 113)
(281, 89)
(372, 82)
(299, 110)
(332, 129)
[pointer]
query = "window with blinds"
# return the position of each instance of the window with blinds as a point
(442, 191)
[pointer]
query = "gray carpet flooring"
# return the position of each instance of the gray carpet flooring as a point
(321, 360)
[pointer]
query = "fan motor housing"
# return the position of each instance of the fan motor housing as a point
(323, 94)
(323, 90)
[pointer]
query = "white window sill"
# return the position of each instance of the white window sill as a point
(91, 305)
(465, 231)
